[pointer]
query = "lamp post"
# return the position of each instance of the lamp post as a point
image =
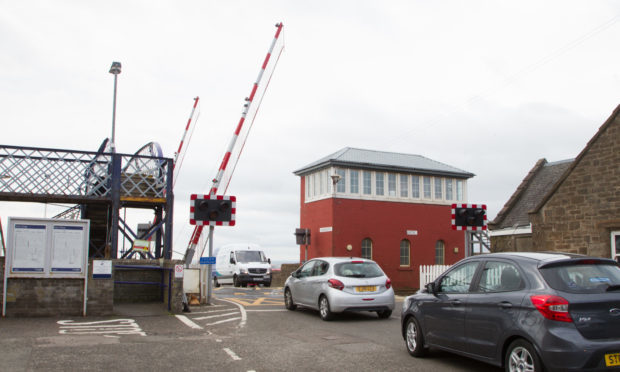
(335, 179)
(115, 69)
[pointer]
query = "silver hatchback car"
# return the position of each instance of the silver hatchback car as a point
(337, 284)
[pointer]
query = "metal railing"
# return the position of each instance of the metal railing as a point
(41, 171)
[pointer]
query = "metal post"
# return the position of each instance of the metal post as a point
(210, 267)
(115, 69)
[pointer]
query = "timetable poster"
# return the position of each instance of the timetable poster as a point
(29, 248)
(67, 249)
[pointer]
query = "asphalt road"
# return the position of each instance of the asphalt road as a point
(245, 329)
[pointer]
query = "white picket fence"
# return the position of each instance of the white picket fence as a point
(429, 273)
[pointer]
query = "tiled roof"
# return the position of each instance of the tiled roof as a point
(381, 160)
(530, 192)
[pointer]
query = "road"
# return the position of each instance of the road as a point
(245, 329)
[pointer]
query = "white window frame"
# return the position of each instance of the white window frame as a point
(437, 185)
(430, 187)
(415, 195)
(404, 191)
(354, 187)
(364, 174)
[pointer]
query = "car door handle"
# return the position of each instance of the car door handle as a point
(455, 302)
(505, 305)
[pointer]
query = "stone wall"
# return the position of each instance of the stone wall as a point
(279, 277)
(583, 211)
(31, 297)
(511, 243)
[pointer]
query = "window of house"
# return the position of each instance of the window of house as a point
(315, 185)
(404, 185)
(367, 182)
(355, 181)
(427, 187)
(449, 189)
(367, 248)
(308, 187)
(459, 190)
(380, 183)
(438, 188)
(391, 184)
(341, 185)
(439, 252)
(415, 186)
(405, 250)
(322, 183)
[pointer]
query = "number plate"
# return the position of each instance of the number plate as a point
(368, 288)
(612, 360)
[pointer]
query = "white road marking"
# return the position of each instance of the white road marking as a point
(113, 326)
(244, 315)
(216, 316)
(188, 322)
(264, 311)
(231, 354)
(223, 321)
(210, 312)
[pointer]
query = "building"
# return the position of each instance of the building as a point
(390, 207)
(580, 211)
(511, 230)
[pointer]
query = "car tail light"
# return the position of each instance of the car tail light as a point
(336, 284)
(388, 283)
(552, 307)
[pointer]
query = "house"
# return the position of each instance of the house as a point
(511, 230)
(390, 207)
(580, 212)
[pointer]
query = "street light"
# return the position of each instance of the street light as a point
(335, 179)
(115, 69)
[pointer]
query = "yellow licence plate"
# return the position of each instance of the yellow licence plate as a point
(369, 288)
(612, 360)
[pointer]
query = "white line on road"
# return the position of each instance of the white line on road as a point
(210, 312)
(231, 354)
(244, 315)
(267, 310)
(216, 316)
(188, 322)
(223, 321)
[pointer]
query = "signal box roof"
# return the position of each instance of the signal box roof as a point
(383, 161)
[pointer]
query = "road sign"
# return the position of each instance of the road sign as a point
(207, 260)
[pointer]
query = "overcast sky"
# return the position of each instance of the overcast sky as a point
(489, 87)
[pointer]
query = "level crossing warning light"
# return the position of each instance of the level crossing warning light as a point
(470, 217)
(212, 210)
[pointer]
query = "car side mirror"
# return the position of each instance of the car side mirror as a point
(269, 260)
(430, 288)
(295, 274)
(232, 261)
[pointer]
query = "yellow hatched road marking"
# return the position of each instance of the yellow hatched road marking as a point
(257, 302)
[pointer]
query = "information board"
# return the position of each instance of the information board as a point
(47, 247)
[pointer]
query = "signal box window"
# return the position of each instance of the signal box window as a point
(367, 248)
(439, 252)
(405, 250)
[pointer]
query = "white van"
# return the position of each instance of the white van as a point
(240, 264)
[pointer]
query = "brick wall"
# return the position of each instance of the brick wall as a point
(584, 209)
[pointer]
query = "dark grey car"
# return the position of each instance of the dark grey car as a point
(523, 311)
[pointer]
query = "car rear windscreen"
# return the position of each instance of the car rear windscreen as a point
(358, 269)
(595, 277)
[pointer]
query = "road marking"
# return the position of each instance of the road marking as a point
(188, 322)
(265, 310)
(215, 316)
(211, 312)
(223, 321)
(244, 315)
(231, 354)
(103, 327)
(257, 302)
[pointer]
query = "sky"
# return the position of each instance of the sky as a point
(488, 87)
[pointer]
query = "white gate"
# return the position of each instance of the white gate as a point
(429, 273)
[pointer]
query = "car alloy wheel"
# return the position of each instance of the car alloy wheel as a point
(414, 339)
(324, 310)
(288, 300)
(521, 357)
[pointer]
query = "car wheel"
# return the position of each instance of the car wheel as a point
(288, 300)
(266, 285)
(384, 314)
(244, 285)
(414, 338)
(324, 311)
(215, 282)
(236, 282)
(521, 356)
